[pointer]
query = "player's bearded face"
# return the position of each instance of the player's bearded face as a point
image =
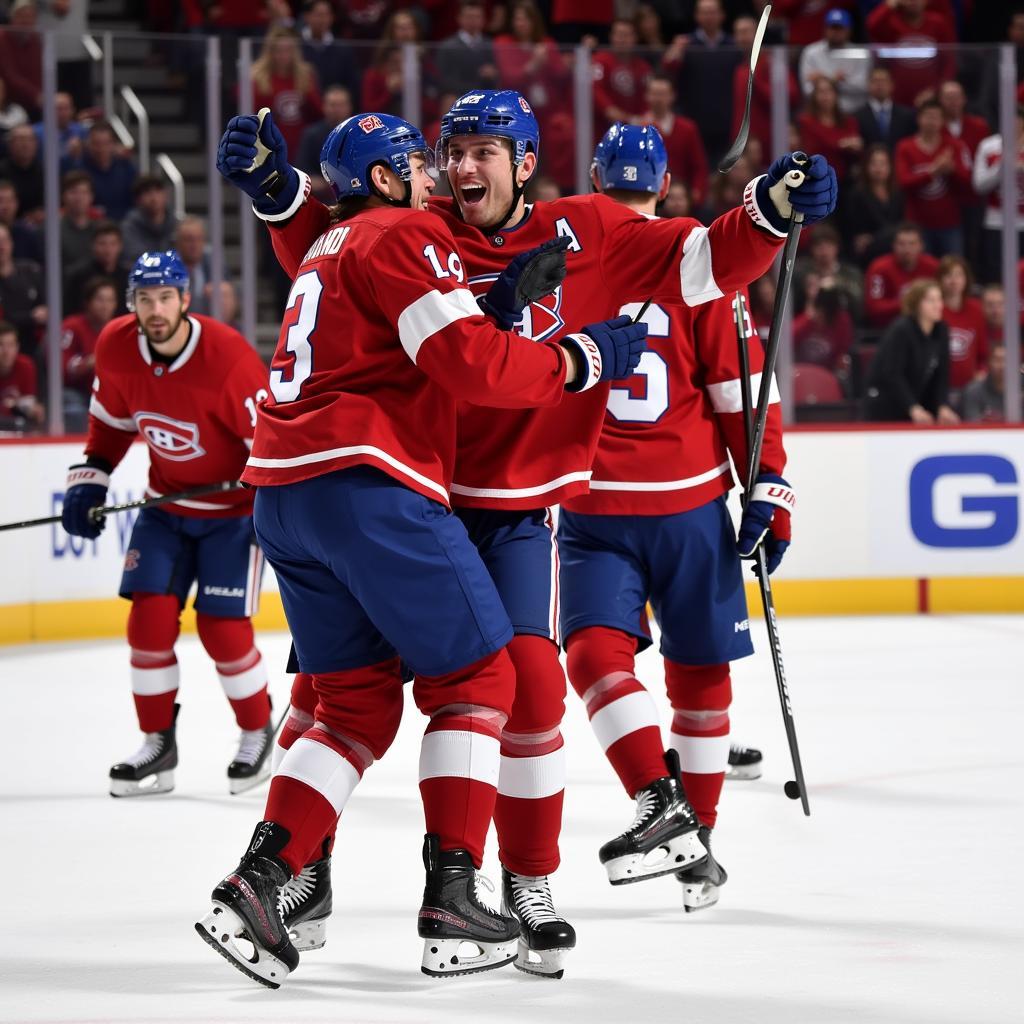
(159, 312)
(480, 173)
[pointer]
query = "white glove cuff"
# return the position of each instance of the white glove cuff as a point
(87, 475)
(590, 363)
(293, 207)
(774, 494)
(753, 208)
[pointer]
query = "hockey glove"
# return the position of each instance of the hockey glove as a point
(253, 156)
(766, 519)
(86, 489)
(530, 276)
(609, 350)
(815, 198)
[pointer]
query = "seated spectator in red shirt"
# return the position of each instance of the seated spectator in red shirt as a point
(805, 18)
(983, 399)
(530, 62)
(823, 333)
(825, 129)
(79, 334)
(620, 79)
(23, 168)
(687, 161)
(19, 404)
(959, 123)
(872, 208)
(28, 241)
(968, 346)
(21, 58)
(744, 29)
(888, 277)
(287, 84)
(909, 23)
(676, 202)
(909, 376)
(934, 172)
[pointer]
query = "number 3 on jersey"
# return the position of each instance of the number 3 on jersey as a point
(301, 315)
(643, 398)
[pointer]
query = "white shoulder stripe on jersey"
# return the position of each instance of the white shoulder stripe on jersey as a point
(340, 453)
(96, 409)
(521, 492)
(696, 277)
(660, 485)
(726, 396)
(431, 313)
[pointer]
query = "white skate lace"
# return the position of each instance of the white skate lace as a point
(531, 897)
(645, 807)
(152, 747)
(296, 890)
(250, 745)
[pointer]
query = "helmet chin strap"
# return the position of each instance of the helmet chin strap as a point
(405, 201)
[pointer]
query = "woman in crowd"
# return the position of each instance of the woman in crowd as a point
(873, 207)
(968, 347)
(825, 129)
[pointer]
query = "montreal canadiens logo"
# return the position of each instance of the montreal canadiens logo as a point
(540, 320)
(170, 439)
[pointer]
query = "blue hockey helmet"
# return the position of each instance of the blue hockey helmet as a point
(156, 270)
(500, 112)
(362, 141)
(631, 157)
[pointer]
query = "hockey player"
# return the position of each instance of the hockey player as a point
(512, 466)
(189, 386)
(655, 527)
(353, 456)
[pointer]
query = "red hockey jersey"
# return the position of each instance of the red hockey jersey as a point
(668, 428)
(380, 336)
(968, 344)
(886, 283)
(196, 414)
(529, 458)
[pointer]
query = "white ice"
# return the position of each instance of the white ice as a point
(898, 901)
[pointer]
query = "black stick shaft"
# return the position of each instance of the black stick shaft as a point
(163, 499)
(764, 581)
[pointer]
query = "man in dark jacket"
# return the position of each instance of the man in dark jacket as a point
(881, 120)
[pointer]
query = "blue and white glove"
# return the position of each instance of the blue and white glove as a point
(815, 198)
(530, 276)
(86, 489)
(609, 350)
(253, 156)
(766, 520)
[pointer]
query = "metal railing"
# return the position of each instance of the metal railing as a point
(170, 169)
(138, 111)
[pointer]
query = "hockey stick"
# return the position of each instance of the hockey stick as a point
(98, 513)
(740, 142)
(797, 788)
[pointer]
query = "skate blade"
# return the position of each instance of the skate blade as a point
(699, 896)
(309, 935)
(236, 786)
(221, 927)
(151, 785)
(542, 963)
(744, 772)
(447, 958)
(682, 851)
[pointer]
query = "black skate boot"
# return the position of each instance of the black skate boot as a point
(150, 769)
(544, 938)
(245, 907)
(703, 881)
(252, 762)
(663, 836)
(744, 763)
(460, 934)
(305, 903)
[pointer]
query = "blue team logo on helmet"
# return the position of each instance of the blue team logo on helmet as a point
(631, 157)
(500, 112)
(358, 143)
(157, 270)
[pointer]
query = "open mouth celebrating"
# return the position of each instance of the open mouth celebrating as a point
(472, 195)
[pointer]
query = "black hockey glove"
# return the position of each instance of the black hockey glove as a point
(530, 276)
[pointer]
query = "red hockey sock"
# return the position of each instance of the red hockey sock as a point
(240, 667)
(152, 632)
(621, 711)
(700, 697)
(531, 783)
(301, 711)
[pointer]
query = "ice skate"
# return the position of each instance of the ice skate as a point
(744, 763)
(150, 769)
(252, 762)
(460, 934)
(702, 882)
(244, 925)
(545, 938)
(305, 903)
(663, 837)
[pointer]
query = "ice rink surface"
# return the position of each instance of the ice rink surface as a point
(898, 901)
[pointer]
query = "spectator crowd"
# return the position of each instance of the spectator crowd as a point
(897, 302)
